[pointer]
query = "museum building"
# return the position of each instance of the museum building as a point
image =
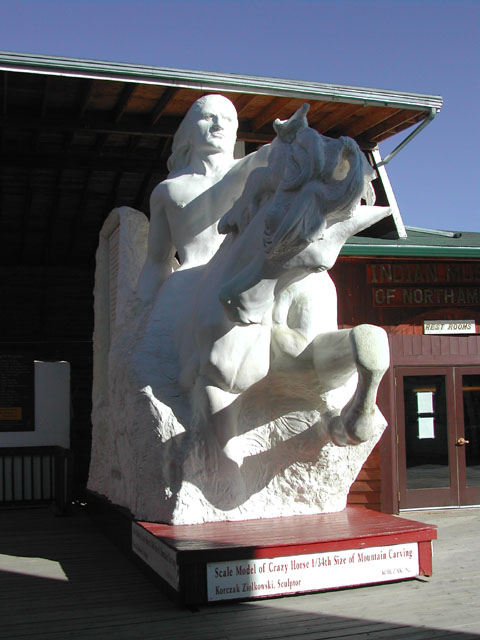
(80, 138)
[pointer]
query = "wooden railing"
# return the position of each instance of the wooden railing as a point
(36, 475)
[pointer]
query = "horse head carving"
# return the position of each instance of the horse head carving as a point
(309, 186)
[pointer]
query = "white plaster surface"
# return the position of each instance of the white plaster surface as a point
(224, 390)
(52, 409)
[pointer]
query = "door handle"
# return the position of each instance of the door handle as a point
(461, 442)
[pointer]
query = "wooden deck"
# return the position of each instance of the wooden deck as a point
(60, 578)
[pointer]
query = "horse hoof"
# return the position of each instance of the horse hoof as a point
(345, 431)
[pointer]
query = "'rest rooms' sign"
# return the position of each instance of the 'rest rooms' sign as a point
(424, 284)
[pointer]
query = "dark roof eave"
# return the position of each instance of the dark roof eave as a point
(212, 81)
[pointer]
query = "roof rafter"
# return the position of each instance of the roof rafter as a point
(46, 85)
(390, 124)
(166, 97)
(242, 103)
(326, 122)
(360, 125)
(124, 100)
(269, 113)
(85, 97)
(5, 93)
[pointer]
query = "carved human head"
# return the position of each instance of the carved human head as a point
(210, 126)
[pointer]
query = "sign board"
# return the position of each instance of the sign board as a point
(159, 556)
(313, 572)
(424, 284)
(448, 326)
(16, 392)
(424, 273)
(426, 296)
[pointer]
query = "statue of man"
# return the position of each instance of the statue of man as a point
(185, 208)
(204, 182)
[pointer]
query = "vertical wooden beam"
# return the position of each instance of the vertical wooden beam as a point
(51, 220)
(26, 210)
(68, 137)
(100, 142)
(140, 196)
(111, 201)
(165, 149)
(78, 218)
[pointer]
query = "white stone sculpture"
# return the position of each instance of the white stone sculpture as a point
(224, 390)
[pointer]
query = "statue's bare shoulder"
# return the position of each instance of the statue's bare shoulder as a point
(168, 193)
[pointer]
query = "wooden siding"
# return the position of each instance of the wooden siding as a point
(434, 350)
(366, 490)
(356, 305)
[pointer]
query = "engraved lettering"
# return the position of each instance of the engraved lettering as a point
(407, 296)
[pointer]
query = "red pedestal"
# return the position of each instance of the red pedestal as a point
(280, 556)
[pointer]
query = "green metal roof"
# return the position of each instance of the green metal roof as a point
(419, 243)
(212, 81)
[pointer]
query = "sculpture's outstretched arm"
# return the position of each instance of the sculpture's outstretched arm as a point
(365, 216)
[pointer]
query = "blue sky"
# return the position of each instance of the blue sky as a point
(429, 46)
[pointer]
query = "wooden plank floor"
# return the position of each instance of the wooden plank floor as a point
(60, 578)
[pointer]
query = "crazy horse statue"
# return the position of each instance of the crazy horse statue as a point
(223, 388)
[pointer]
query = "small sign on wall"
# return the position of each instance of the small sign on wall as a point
(448, 326)
(16, 391)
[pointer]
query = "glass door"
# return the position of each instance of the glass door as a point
(467, 384)
(427, 469)
(438, 434)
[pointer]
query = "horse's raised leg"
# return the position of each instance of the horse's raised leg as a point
(370, 352)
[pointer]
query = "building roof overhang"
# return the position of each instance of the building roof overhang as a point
(214, 81)
(80, 137)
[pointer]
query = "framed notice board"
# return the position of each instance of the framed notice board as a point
(16, 390)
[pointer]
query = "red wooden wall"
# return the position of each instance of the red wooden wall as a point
(399, 294)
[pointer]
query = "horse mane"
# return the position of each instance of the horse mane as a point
(303, 184)
(322, 176)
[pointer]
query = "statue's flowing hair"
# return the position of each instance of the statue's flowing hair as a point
(182, 143)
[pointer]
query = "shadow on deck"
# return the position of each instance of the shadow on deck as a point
(61, 578)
